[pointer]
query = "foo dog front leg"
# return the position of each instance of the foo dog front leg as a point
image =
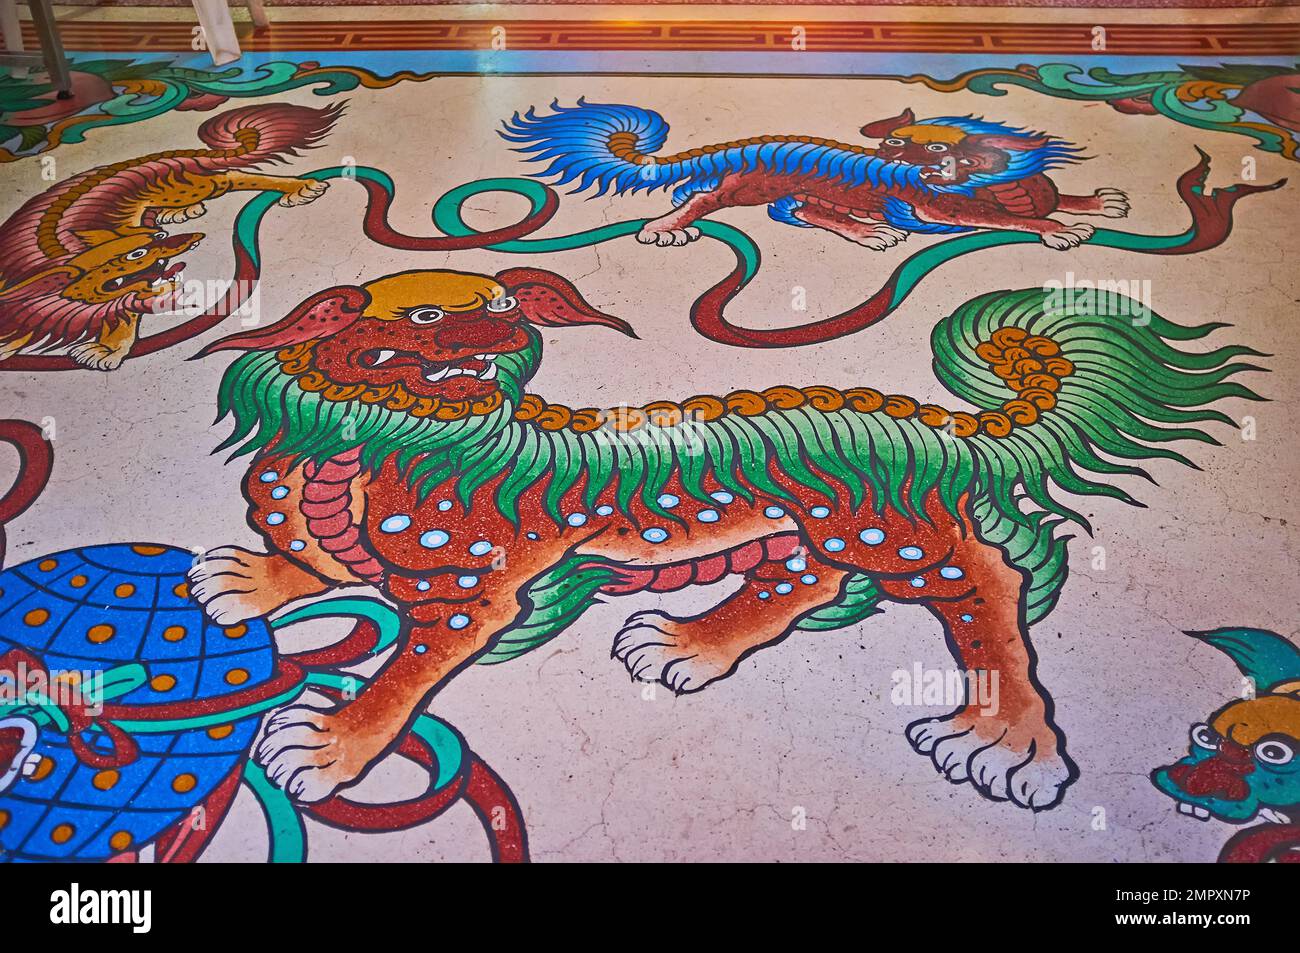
(234, 585)
(1053, 234)
(292, 191)
(311, 753)
(874, 235)
(110, 347)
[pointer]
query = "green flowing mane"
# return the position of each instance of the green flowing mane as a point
(1131, 391)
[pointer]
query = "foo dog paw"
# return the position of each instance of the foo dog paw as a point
(234, 585)
(174, 216)
(310, 754)
(1068, 236)
(656, 648)
(879, 237)
(664, 237)
(98, 357)
(308, 191)
(1113, 203)
(1004, 762)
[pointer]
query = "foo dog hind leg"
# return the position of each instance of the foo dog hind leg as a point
(687, 654)
(1005, 743)
(676, 228)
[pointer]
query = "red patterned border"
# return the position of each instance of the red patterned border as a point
(703, 36)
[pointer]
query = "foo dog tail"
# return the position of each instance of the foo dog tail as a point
(1068, 390)
(251, 135)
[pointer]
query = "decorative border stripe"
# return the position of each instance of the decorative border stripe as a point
(722, 36)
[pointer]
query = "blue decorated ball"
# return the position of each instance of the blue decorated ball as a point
(124, 612)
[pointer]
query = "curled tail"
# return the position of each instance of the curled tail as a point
(1063, 378)
(608, 146)
(100, 198)
(266, 132)
(35, 461)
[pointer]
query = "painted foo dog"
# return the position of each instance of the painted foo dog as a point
(393, 442)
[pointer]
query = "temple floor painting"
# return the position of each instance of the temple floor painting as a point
(653, 434)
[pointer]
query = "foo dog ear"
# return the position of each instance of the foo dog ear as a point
(323, 314)
(993, 140)
(881, 128)
(98, 236)
(550, 301)
(1261, 655)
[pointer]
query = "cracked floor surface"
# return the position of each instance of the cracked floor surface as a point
(802, 752)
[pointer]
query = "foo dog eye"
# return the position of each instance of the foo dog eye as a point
(895, 142)
(136, 255)
(1203, 736)
(506, 303)
(158, 236)
(425, 315)
(1274, 751)
(937, 147)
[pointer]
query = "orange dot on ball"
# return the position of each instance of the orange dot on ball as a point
(101, 633)
(120, 841)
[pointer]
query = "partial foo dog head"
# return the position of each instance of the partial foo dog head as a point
(105, 276)
(430, 343)
(957, 149)
(1244, 760)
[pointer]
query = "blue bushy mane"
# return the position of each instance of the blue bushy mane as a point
(576, 142)
(1020, 163)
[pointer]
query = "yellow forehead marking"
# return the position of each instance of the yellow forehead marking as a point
(1245, 722)
(448, 290)
(98, 254)
(928, 134)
